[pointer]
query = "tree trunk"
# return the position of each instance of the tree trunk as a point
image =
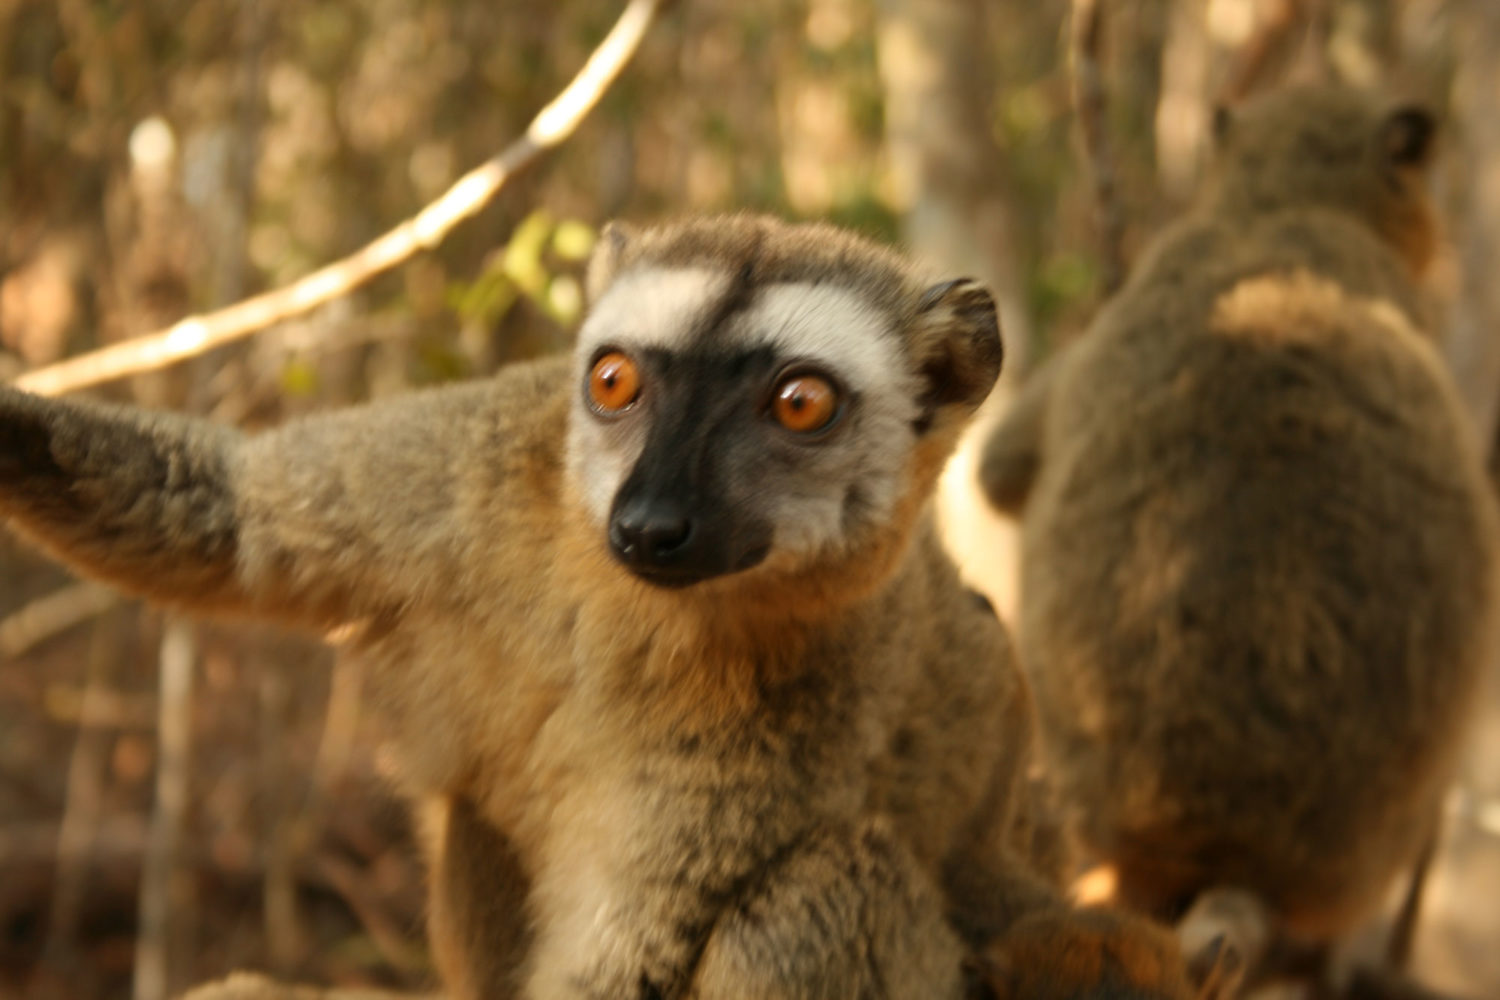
(947, 171)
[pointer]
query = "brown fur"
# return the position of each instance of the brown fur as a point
(1258, 547)
(792, 781)
(1093, 952)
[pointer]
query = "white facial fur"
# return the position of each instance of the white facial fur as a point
(840, 332)
(828, 326)
(649, 307)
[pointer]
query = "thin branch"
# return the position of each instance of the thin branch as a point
(1086, 40)
(340, 727)
(196, 334)
(87, 779)
(286, 936)
(153, 971)
(57, 612)
(352, 885)
(98, 708)
(30, 846)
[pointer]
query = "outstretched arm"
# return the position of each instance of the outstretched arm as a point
(1012, 453)
(142, 500)
(320, 521)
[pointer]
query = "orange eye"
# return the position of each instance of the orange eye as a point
(614, 383)
(806, 403)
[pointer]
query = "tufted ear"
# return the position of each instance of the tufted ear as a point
(957, 344)
(604, 263)
(1406, 136)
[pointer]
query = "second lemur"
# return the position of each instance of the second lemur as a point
(1259, 546)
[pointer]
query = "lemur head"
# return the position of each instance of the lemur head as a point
(753, 393)
(1333, 147)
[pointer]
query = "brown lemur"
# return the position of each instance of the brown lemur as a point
(695, 703)
(1258, 548)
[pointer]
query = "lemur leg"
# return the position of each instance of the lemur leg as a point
(477, 922)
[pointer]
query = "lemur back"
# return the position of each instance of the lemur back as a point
(1258, 569)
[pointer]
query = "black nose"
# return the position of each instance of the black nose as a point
(649, 533)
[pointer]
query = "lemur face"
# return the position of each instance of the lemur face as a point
(720, 423)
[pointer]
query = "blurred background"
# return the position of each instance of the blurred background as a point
(163, 158)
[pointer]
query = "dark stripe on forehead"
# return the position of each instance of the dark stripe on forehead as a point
(736, 298)
(700, 367)
(780, 253)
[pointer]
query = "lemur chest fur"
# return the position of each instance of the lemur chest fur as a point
(629, 611)
(634, 756)
(666, 834)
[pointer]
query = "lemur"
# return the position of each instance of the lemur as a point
(692, 699)
(1258, 543)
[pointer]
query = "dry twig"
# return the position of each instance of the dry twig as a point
(57, 612)
(34, 845)
(197, 334)
(350, 882)
(85, 796)
(1086, 41)
(284, 930)
(178, 651)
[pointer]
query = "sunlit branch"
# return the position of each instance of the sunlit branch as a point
(1085, 43)
(196, 334)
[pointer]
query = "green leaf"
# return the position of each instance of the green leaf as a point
(573, 240)
(522, 261)
(299, 378)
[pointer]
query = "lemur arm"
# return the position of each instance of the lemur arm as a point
(142, 500)
(1012, 453)
(322, 520)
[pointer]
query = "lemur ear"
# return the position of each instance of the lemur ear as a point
(957, 343)
(1406, 136)
(604, 263)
